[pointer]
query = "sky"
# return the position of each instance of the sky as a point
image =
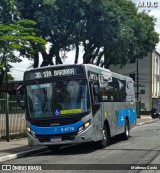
(19, 68)
(152, 11)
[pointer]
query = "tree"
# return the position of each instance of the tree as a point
(111, 32)
(57, 22)
(116, 33)
(19, 36)
(7, 11)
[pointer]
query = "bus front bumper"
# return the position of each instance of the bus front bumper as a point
(85, 136)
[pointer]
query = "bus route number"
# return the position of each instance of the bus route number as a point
(45, 74)
(38, 75)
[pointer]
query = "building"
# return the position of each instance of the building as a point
(148, 79)
(11, 86)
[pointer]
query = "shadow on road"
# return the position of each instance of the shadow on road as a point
(85, 148)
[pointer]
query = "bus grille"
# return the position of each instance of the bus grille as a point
(46, 138)
(57, 122)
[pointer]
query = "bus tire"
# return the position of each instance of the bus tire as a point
(53, 147)
(126, 130)
(106, 138)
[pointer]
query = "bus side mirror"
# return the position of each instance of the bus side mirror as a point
(18, 98)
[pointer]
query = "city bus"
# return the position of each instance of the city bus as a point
(72, 104)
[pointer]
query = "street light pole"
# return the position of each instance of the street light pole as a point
(138, 105)
(137, 83)
(7, 105)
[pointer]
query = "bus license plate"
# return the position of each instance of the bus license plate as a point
(58, 139)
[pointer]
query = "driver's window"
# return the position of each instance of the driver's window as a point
(95, 93)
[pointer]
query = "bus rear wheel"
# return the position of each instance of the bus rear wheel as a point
(106, 138)
(126, 130)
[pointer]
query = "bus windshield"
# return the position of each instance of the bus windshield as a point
(59, 98)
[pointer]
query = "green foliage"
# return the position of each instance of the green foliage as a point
(58, 22)
(116, 32)
(19, 36)
(8, 11)
(9, 77)
(111, 32)
(1, 65)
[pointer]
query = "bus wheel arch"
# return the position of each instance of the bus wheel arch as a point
(105, 141)
(106, 124)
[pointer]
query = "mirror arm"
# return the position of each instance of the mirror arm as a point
(19, 87)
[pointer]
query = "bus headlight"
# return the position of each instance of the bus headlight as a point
(31, 132)
(87, 124)
(84, 127)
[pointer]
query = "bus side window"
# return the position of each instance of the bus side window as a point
(130, 97)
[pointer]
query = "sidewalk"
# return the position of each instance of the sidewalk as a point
(144, 119)
(19, 148)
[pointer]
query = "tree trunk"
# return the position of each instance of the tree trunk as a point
(47, 59)
(95, 55)
(107, 60)
(77, 54)
(1, 77)
(99, 58)
(89, 49)
(36, 60)
(50, 60)
(86, 58)
(58, 59)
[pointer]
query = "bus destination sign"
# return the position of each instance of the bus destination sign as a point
(52, 73)
(46, 73)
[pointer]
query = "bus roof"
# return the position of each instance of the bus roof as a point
(107, 70)
(86, 65)
(63, 65)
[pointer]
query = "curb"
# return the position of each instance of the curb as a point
(21, 154)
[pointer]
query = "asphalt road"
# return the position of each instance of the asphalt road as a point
(143, 147)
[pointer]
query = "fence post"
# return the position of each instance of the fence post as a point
(7, 118)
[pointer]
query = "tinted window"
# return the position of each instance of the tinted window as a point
(112, 89)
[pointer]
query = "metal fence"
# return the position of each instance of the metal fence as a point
(12, 117)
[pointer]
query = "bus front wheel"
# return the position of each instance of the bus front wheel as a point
(104, 142)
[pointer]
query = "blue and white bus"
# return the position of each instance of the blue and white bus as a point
(68, 104)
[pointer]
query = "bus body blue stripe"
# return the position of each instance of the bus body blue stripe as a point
(122, 114)
(56, 129)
